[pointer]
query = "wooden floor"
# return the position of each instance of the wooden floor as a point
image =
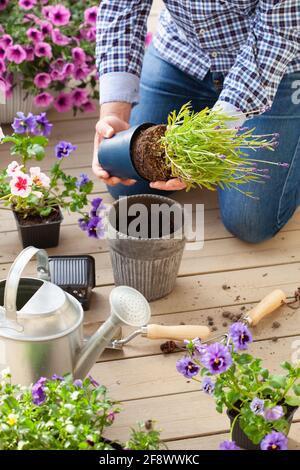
(141, 377)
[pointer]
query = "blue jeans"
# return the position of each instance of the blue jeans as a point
(165, 88)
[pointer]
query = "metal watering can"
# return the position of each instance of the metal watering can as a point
(41, 325)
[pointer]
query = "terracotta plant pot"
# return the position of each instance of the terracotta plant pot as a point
(120, 146)
(242, 440)
(150, 265)
(40, 235)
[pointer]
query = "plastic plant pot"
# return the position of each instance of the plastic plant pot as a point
(44, 235)
(114, 154)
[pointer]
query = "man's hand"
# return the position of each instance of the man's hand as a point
(114, 117)
(174, 184)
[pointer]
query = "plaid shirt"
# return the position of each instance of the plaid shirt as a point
(254, 42)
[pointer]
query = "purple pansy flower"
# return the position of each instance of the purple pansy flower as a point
(240, 335)
(77, 383)
(57, 377)
(196, 346)
(38, 391)
(217, 358)
(228, 445)
(82, 180)
(83, 224)
(64, 149)
(43, 126)
(274, 441)
(257, 406)
(95, 227)
(272, 414)
(187, 367)
(24, 123)
(208, 385)
(96, 203)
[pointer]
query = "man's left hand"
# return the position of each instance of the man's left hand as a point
(174, 184)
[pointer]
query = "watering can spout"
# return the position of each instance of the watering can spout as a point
(128, 307)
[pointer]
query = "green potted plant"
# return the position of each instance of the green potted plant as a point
(48, 59)
(259, 404)
(199, 148)
(62, 414)
(36, 198)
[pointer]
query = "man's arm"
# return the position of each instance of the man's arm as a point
(121, 33)
(273, 42)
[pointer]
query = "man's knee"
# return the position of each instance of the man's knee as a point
(247, 228)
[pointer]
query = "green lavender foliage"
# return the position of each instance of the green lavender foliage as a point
(202, 151)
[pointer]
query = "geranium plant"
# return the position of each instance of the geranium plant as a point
(29, 191)
(60, 414)
(48, 48)
(258, 401)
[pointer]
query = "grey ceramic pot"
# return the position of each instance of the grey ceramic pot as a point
(149, 264)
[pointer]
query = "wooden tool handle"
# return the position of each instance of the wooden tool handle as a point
(266, 306)
(177, 333)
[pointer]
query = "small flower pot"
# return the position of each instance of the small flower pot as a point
(19, 101)
(115, 154)
(242, 440)
(40, 235)
(150, 265)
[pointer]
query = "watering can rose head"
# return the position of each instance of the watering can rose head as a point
(28, 190)
(261, 402)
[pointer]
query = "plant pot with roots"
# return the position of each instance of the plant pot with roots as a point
(198, 148)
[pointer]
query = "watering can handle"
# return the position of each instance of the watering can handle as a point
(14, 275)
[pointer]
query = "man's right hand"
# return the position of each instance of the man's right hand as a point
(114, 117)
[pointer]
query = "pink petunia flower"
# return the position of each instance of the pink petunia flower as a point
(29, 53)
(43, 49)
(59, 38)
(60, 70)
(13, 168)
(91, 34)
(3, 4)
(27, 4)
(88, 107)
(79, 96)
(6, 40)
(34, 35)
(42, 80)
(16, 54)
(2, 67)
(46, 12)
(59, 15)
(38, 178)
(63, 102)
(81, 71)
(2, 52)
(43, 100)
(20, 185)
(90, 15)
(46, 28)
(78, 55)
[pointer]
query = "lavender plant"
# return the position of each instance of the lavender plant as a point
(61, 414)
(239, 382)
(202, 151)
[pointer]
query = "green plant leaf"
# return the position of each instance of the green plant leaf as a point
(36, 151)
(277, 381)
(293, 401)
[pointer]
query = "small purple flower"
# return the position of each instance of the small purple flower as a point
(43, 126)
(83, 179)
(197, 347)
(24, 123)
(111, 417)
(64, 149)
(240, 336)
(274, 441)
(96, 203)
(222, 157)
(187, 367)
(208, 385)
(284, 165)
(273, 414)
(257, 406)
(93, 381)
(217, 358)
(83, 224)
(57, 377)
(228, 445)
(38, 391)
(95, 227)
(77, 383)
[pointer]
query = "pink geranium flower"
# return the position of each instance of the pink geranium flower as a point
(59, 38)
(78, 55)
(38, 178)
(16, 54)
(13, 168)
(34, 35)
(27, 4)
(43, 49)
(43, 100)
(6, 40)
(63, 102)
(59, 15)
(20, 185)
(90, 15)
(42, 80)
(79, 96)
